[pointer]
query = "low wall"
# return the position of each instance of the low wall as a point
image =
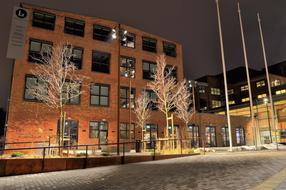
(19, 166)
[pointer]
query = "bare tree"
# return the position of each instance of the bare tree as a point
(142, 111)
(57, 82)
(165, 87)
(182, 102)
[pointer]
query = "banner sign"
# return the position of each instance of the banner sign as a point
(18, 33)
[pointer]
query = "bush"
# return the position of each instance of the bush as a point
(105, 154)
(81, 154)
(17, 154)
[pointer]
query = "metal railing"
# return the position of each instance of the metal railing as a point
(152, 147)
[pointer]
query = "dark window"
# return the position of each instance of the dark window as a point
(225, 136)
(149, 44)
(100, 62)
(210, 136)
(240, 136)
(74, 26)
(173, 71)
(99, 95)
(129, 41)
(76, 58)
(169, 49)
(125, 131)
(31, 84)
(149, 69)
(127, 66)
(38, 50)
(125, 96)
(44, 20)
(153, 99)
(98, 129)
(71, 92)
(101, 33)
(195, 135)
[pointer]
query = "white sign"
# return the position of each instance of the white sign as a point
(18, 33)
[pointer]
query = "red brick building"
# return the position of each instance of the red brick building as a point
(93, 117)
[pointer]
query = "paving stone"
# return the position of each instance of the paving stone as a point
(238, 170)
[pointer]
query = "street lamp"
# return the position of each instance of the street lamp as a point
(265, 101)
(130, 73)
(192, 84)
(120, 35)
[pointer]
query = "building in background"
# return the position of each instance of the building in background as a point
(212, 99)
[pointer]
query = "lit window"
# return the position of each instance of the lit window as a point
(216, 103)
(275, 82)
(231, 102)
(129, 41)
(215, 91)
(245, 99)
(202, 90)
(127, 67)
(244, 88)
(278, 92)
(260, 83)
(261, 96)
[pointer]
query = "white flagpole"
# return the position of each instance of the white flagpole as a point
(224, 76)
(248, 77)
(268, 80)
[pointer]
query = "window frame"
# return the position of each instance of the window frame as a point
(127, 130)
(126, 68)
(123, 43)
(97, 131)
(165, 50)
(150, 73)
(38, 54)
(25, 88)
(99, 95)
(71, 30)
(101, 37)
(100, 64)
(81, 60)
(148, 48)
(127, 97)
(44, 14)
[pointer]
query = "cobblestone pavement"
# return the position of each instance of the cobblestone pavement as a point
(229, 171)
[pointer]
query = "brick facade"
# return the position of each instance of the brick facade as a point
(33, 121)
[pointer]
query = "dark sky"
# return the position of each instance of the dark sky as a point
(193, 23)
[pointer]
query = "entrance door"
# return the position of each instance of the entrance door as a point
(103, 132)
(210, 136)
(150, 135)
(70, 132)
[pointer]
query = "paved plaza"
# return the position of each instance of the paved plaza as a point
(237, 170)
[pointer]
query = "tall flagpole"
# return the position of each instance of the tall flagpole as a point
(248, 78)
(268, 80)
(224, 77)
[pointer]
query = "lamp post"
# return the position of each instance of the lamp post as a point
(192, 84)
(119, 35)
(265, 100)
(130, 73)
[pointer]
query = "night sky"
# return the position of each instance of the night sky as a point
(193, 23)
